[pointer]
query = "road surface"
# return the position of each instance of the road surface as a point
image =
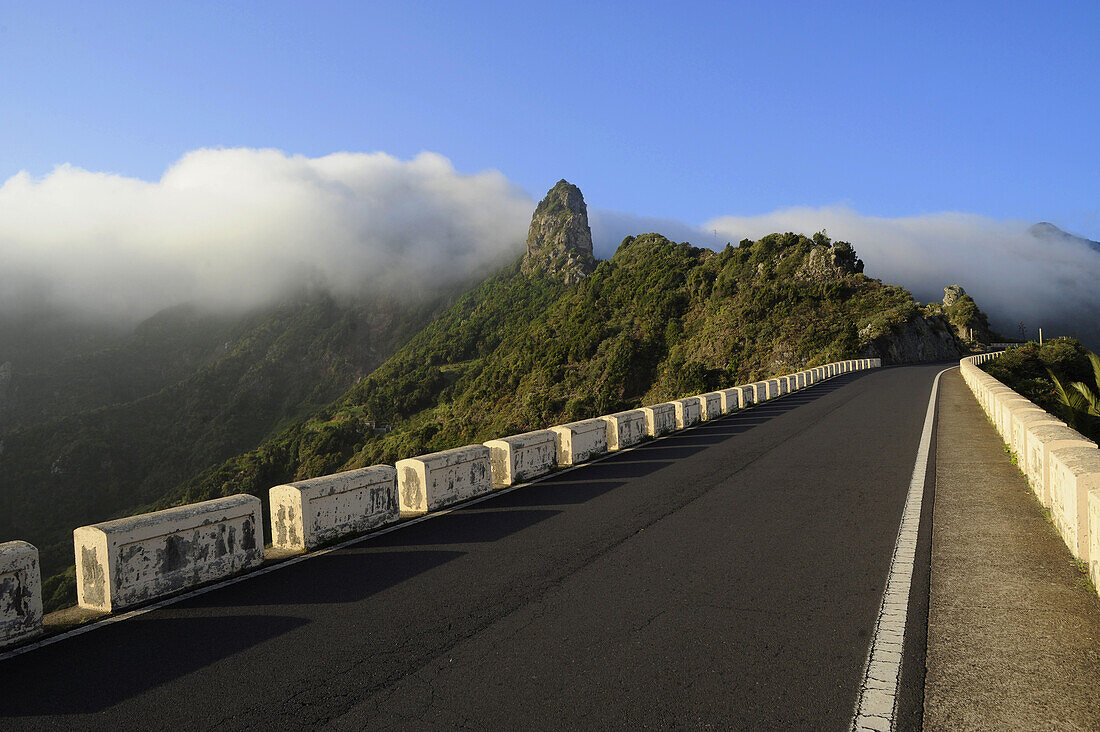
(729, 576)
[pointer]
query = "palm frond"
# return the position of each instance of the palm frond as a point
(1092, 401)
(1078, 405)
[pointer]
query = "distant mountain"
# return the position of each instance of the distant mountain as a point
(112, 431)
(1045, 230)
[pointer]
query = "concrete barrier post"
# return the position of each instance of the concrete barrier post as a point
(688, 412)
(20, 593)
(308, 513)
(580, 441)
(710, 405)
(773, 388)
(129, 561)
(1021, 421)
(430, 482)
(625, 428)
(1042, 440)
(1074, 472)
(522, 457)
(660, 419)
(760, 391)
(736, 398)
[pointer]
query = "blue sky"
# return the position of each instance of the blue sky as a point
(687, 111)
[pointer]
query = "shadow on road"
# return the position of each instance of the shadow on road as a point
(324, 579)
(557, 494)
(483, 522)
(85, 674)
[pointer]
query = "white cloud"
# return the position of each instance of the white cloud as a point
(239, 226)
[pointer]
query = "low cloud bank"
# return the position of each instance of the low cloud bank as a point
(1012, 274)
(238, 227)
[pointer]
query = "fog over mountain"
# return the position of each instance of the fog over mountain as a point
(237, 227)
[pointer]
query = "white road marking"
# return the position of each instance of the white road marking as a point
(876, 707)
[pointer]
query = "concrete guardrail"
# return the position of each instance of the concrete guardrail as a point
(133, 560)
(660, 419)
(522, 457)
(688, 412)
(625, 429)
(710, 406)
(308, 513)
(130, 561)
(1062, 466)
(430, 482)
(20, 593)
(736, 398)
(580, 441)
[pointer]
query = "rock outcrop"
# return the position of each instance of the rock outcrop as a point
(829, 264)
(922, 338)
(951, 294)
(559, 241)
(970, 323)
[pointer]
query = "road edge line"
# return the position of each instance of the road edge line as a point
(877, 703)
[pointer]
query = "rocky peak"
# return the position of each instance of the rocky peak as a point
(559, 242)
(951, 294)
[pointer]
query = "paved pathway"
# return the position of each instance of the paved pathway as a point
(1014, 630)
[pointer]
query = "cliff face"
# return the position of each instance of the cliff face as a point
(921, 338)
(559, 241)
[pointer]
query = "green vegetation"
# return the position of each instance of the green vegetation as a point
(1079, 398)
(658, 320)
(519, 351)
(271, 369)
(1055, 377)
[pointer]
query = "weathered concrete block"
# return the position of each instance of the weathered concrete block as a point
(1021, 420)
(308, 513)
(1074, 471)
(1008, 407)
(773, 388)
(660, 419)
(736, 398)
(132, 560)
(688, 412)
(522, 457)
(710, 405)
(625, 428)
(1042, 439)
(760, 391)
(800, 380)
(20, 593)
(785, 386)
(580, 441)
(430, 482)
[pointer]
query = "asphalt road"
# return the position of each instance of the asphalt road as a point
(728, 576)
